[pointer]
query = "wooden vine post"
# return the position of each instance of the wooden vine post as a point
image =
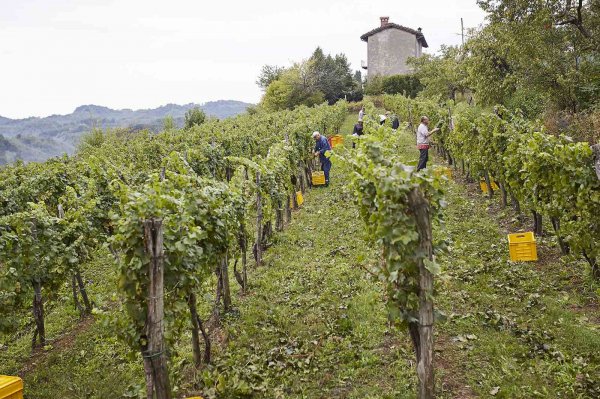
(596, 151)
(288, 209)
(259, 222)
(301, 177)
(420, 208)
(155, 358)
(308, 169)
(488, 183)
(38, 314)
(243, 244)
(195, 330)
(38, 304)
(77, 283)
(225, 283)
(279, 212)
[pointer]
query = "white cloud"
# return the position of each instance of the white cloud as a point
(58, 54)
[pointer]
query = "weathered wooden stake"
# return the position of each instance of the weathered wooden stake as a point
(504, 194)
(259, 222)
(537, 224)
(156, 351)
(38, 315)
(308, 169)
(84, 296)
(288, 209)
(195, 330)
(515, 204)
(279, 217)
(420, 206)
(225, 282)
(564, 247)
(596, 150)
(75, 296)
(243, 243)
(488, 184)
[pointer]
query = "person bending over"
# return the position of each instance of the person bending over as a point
(358, 131)
(321, 147)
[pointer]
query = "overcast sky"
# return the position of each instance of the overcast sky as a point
(58, 54)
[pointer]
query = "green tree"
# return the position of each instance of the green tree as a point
(296, 86)
(277, 96)
(374, 86)
(535, 54)
(443, 76)
(168, 123)
(332, 75)
(408, 85)
(320, 78)
(269, 74)
(194, 117)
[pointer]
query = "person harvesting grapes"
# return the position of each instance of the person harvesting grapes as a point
(357, 131)
(322, 150)
(423, 135)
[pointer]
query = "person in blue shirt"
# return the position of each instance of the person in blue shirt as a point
(321, 146)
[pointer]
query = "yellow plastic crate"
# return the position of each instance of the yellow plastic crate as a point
(299, 198)
(337, 140)
(484, 186)
(443, 171)
(522, 247)
(11, 387)
(318, 178)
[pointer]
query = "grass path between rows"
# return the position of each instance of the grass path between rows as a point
(313, 324)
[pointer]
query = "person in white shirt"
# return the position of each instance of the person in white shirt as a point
(423, 135)
(361, 113)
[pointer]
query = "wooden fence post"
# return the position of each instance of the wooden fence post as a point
(425, 372)
(259, 222)
(155, 352)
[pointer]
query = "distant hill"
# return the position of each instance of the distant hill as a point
(37, 139)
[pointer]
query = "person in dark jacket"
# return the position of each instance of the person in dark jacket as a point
(358, 131)
(321, 147)
(395, 122)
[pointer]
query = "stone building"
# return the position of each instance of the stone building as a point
(389, 46)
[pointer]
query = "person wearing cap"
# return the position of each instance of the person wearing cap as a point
(383, 118)
(358, 130)
(321, 147)
(423, 135)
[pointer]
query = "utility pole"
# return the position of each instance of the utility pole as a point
(462, 31)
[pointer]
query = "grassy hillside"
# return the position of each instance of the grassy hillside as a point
(313, 324)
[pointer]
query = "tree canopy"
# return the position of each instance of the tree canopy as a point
(193, 117)
(540, 57)
(319, 78)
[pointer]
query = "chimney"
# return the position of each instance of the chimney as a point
(384, 21)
